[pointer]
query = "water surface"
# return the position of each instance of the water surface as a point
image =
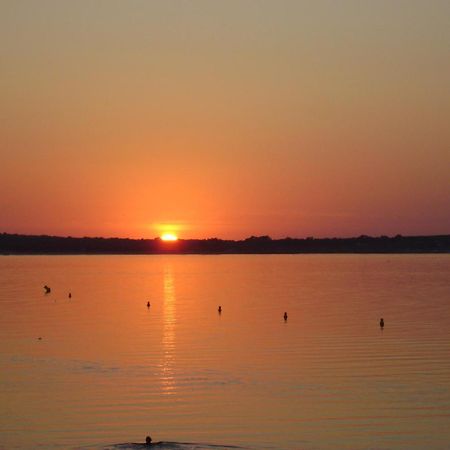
(107, 370)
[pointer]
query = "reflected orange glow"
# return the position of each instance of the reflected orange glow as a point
(168, 340)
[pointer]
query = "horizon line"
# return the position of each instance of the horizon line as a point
(261, 237)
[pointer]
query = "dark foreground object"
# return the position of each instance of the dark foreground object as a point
(24, 244)
(166, 445)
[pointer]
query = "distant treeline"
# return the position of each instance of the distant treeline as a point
(24, 244)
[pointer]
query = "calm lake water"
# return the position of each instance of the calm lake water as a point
(108, 370)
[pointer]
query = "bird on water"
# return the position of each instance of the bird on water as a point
(381, 323)
(285, 316)
(148, 443)
(148, 304)
(219, 309)
(47, 289)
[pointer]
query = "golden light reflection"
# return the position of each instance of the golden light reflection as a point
(168, 340)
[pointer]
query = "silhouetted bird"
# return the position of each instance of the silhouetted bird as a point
(285, 316)
(220, 309)
(148, 440)
(47, 289)
(381, 323)
(148, 304)
(70, 295)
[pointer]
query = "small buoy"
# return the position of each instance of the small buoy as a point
(219, 309)
(381, 323)
(148, 304)
(285, 316)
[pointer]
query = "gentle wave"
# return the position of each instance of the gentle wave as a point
(109, 369)
(172, 446)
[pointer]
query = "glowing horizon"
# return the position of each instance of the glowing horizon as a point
(225, 119)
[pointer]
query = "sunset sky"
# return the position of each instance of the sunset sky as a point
(225, 118)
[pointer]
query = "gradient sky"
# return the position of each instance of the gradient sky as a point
(225, 119)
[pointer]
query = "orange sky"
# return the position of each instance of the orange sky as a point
(224, 119)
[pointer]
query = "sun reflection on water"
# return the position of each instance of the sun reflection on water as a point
(168, 340)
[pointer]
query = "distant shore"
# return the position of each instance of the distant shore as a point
(18, 244)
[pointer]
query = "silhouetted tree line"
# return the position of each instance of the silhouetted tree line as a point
(25, 244)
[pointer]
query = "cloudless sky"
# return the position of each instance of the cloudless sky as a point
(225, 118)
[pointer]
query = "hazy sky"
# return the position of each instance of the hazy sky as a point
(225, 118)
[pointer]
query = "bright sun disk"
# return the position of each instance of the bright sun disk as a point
(169, 237)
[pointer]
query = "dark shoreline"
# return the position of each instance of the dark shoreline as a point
(17, 244)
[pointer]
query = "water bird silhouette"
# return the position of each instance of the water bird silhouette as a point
(285, 316)
(172, 446)
(47, 289)
(148, 443)
(148, 304)
(381, 323)
(219, 310)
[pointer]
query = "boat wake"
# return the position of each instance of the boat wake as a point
(165, 445)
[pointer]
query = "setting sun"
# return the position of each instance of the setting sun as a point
(169, 237)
